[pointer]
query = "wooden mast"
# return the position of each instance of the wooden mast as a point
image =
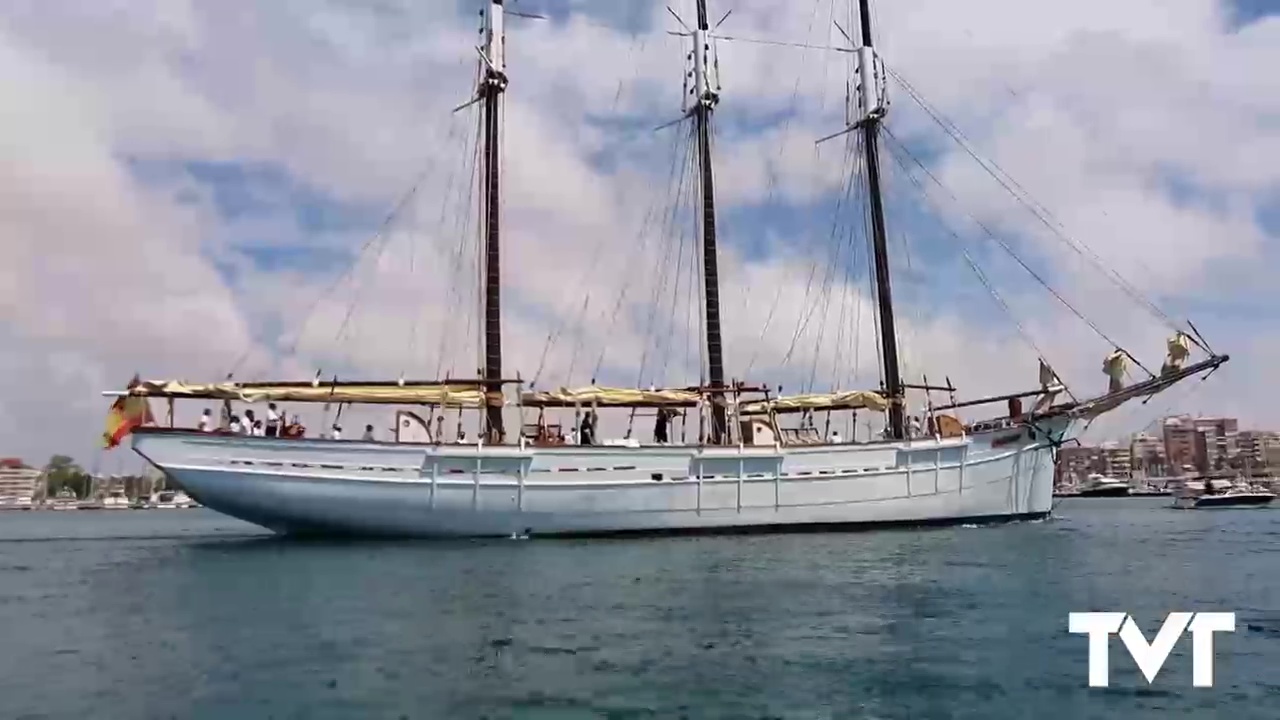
(492, 85)
(873, 106)
(704, 102)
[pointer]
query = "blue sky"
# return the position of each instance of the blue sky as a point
(274, 220)
(1249, 10)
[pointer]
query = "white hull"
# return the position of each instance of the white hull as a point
(388, 489)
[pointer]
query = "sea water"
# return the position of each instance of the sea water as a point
(188, 614)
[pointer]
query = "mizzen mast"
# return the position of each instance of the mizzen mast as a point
(705, 100)
(872, 104)
(493, 83)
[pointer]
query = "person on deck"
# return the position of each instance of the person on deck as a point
(915, 426)
(834, 438)
(294, 429)
(660, 426)
(274, 417)
(368, 434)
(337, 432)
(234, 426)
(588, 433)
(248, 421)
(258, 430)
(206, 420)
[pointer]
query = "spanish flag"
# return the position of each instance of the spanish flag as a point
(126, 413)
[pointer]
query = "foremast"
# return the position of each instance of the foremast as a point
(493, 83)
(872, 104)
(705, 101)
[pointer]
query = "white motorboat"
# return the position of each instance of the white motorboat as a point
(172, 500)
(1199, 495)
(1100, 486)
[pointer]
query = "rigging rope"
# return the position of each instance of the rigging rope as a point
(782, 43)
(813, 271)
(580, 320)
(659, 290)
(378, 236)
(888, 134)
(973, 265)
(833, 264)
(461, 231)
(1041, 213)
(770, 194)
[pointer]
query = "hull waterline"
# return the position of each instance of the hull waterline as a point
(309, 487)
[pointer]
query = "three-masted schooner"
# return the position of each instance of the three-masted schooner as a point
(747, 471)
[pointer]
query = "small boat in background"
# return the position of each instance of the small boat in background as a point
(1207, 495)
(1101, 486)
(172, 500)
(65, 499)
(116, 500)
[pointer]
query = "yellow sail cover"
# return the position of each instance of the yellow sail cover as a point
(611, 397)
(843, 400)
(389, 394)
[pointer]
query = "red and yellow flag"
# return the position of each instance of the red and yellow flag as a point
(126, 413)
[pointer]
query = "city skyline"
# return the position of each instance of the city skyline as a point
(1186, 445)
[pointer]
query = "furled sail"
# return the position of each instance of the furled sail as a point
(447, 395)
(1048, 378)
(1179, 350)
(1114, 367)
(611, 397)
(844, 400)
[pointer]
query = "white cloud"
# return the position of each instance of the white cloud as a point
(1092, 108)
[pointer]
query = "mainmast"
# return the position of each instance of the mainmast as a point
(705, 100)
(492, 84)
(873, 104)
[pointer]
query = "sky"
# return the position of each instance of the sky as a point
(194, 188)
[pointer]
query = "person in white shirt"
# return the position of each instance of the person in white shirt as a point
(206, 420)
(258, 430)
(337, 432)
(235, 425)
(834, 438)
(273, 420)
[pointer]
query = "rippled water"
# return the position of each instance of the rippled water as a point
(187, 614)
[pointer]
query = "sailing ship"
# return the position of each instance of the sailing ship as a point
(752, 467)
